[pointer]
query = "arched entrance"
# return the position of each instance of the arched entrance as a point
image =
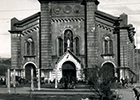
(107, 72)
(28, 68)
(69, 71)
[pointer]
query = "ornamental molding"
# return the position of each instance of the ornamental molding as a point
(67, 9)
(106, 27)
(30, 30)
(66, 20)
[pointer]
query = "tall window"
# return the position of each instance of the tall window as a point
(68, 36)
(108, 45)
(68, 43)
(77, 46)
(60, 46)
(30, 47)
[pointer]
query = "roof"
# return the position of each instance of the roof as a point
(71, 53)
(27, 19)
(96, 1)
(106, 16)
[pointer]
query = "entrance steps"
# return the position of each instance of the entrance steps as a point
(63, 90)
(82, 86)
(78, 88)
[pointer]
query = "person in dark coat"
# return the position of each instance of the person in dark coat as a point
(137, 93)
(132, 81)
(123, 82)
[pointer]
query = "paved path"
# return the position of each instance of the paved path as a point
(126, 94)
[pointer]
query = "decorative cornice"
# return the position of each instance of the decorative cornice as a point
(105, 27)
(15, 31)
(65, 20)
(60, 0)
(30, 30)
(84, 1)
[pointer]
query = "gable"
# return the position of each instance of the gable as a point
(68, 56)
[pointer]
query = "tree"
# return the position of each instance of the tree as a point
(102, 87)
(3, 69)
(4, 65)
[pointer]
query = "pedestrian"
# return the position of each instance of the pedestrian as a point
(131, 81)
(123, 83)
(137, 94)
(126, 81)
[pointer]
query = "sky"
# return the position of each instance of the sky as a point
(24, 8)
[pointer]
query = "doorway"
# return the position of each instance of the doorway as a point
(28, 68)
(69, 71)
(107, 72)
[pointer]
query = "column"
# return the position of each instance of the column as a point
(32, 81)
(14, 78)
(24, 73)
(8, 80)
(49, 77)
(38, 79)
(55, 76)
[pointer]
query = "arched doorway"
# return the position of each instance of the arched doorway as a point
(69, 70)
(107, 72)
(28, 68)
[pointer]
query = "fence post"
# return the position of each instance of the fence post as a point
(8, 80)
(38, 79)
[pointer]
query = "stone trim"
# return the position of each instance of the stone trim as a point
(65, 20)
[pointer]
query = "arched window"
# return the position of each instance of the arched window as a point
(77, 46)
(110, 46)
(30, 47)
(68, 36)
(107, 45)
(60, 46)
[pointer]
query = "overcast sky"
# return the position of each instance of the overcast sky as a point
(24, 8)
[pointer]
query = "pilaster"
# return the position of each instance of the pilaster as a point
(46, 51)
(91, 34)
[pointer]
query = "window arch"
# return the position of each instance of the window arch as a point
(68, 35)
(107, 45)
(29, 47)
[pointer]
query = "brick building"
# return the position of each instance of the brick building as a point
(136, 68)
(72, 38)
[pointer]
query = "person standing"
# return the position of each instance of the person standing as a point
(136, 92)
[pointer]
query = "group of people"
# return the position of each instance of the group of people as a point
(68, 83)
(125, 81)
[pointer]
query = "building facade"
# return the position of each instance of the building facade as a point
(72, 38)
(137, 64)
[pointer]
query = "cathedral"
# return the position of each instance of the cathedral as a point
(72, 38)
